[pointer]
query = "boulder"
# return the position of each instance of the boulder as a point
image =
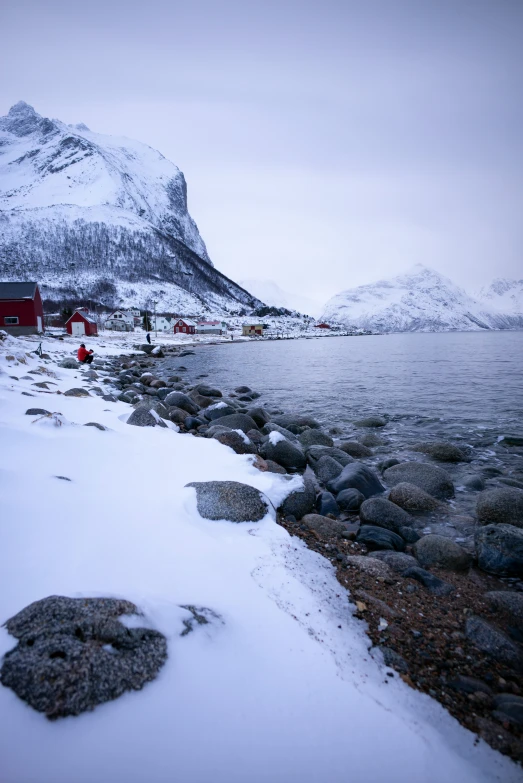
(381, 512)
(273, 467)
(76, 392)
(371, 421)
(153, 405)
(235, 441)
(441, 451)
(433, 550)
(350, 500)
(357, 476)
(509, 707)
(387, 463)
(218, 411)
(394, 660)
(158, 384)
(430, 478)
(499, 549)
(503, 505)
(324, 526)
(284, 453)
(95, 424)
(200, 400)
(207, 391)
(242, 390)
(326, 504)
(411, 498)
(355, 449)
(370, 439)
(493, 642)
(434, 585)
(259, 415)
(146, 348)
(229, 500)
(74, 653)
(327, 469)
(193, 422)
(178, 415)
(238, 421)
(369, 565)
(144, 417)
(314, 437)
(409, 535)
(508, 602)
(315, 453)
(69, 363)
(301, 501)
(37, 412)
(272, 427)
(398, 561)
(180, 400)
(379, 538)
(474, 483)
(130, 396)
(296, 420)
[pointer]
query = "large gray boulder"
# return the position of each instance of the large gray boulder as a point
(509, 602)
(229, 500)
(350, 500)
(493, 642)
(413, 499)
(233, 439)
(259, 415)
(371, 421)
(238, 421)
(270, 426)
(501, 505)
(441, 451)
(429, 478)
(74, 653)
(315, 453)
(499, 549)
(355, 449)
(381, 512)
(357, 476)
(315, 437)
(207, 391)
(433, 550)
(284, 453)
(180, 400)
(326, 504)
(327, 469)
(379, 538)
(76, 392)
(153, 404)
(398, 561)
(218, 411)
(143, 417)
(296, 420)
(301, 501)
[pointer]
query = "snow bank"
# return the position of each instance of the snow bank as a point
(280, 688)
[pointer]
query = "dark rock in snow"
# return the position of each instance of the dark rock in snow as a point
(151, 404)
(178, 415)
(493, 642)
(270, 426)
(394, 660)
(433, 550)
(192, 423)
(76, 392)
(499, 549)
(314, 437)
(284, 453)
(238, 421)
(273, 467)
(69, 363)
(229, 500)
(37, 412)
(259, 415)
(301, 501)
(207, 391)
(218, 412)
(143, 417)
(411, 498)
(95, 424)
(235, 442)
(381, 512)
(355, 449)
(350, 500)
(181, 400)
(379, 538)
(74, 653)
(430, 478)
(434, 585)
(503, 505)
(357, 476)
(326, 504)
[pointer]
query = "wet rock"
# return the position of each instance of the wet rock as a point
(235, 442)
(499, 549)
(369, 566)
(219, 412)
(350, 500)
(387, 463)
(432, 583)
(74, 653)
(379, 538)
(180, 400)
(509, 707)
(69, 363)
(153, 405)
(243, 390)
(200, 400)
(441, 451)
(301, 501)
(327, 469)
(409, 535)
(37, 412)
(397, 561)
(394, 660)
(493, 642)
(430, 478)
(371, 421)
(475, 483)
(259, 415)
(503, 505)
(508, 602)
(433, 550)
(76, 392)
(193, 422)
(238, 421)
(357, 476)
(326, 504)
(144, 417)
(270, 426)
(296, 420)
(315, 437)
(315, 453)
(324, 526)
(512, 440)
(229, 500)
(381, 512)
(355, 449)
(370, 439)
(178, 415)
(207, 391)
(284, 453)
(412, 498)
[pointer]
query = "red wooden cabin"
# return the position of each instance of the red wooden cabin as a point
(21, 310)
(185, 326)
(81, 324)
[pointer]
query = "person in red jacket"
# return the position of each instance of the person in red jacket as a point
(84, 356)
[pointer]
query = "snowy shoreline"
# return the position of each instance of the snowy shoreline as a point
(283, 687)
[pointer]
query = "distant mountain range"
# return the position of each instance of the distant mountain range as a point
(422, 300)
(102, 218)
(271, 293)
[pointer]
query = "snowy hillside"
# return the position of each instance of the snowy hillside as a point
(420, 300)
(504, 297)
(101, 217)
(271, 293)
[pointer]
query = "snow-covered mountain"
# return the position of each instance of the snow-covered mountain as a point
(504, 297)
(271, 293)
(421, 300)
(103, 218)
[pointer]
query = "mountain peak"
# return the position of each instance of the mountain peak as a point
(22, 120)
(22, 109)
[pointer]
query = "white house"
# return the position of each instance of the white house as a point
(211, 327)
(162, 323)
(120, 321)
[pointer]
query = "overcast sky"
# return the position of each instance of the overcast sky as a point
(325, 144)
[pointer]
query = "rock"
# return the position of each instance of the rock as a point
(326, 504)
(95, 424)
(193, 422)
(476, 483)
(259, 415)
(243, 390)
(146, 348)
(355, 449)
(284, 453)
(409, 535)
(511, 603)
(357, 476)
(371, 421)
(186, 353)
(324, 526)
(153, 405)
(441, 451)
(144, 417)
(430, 478)
(315, 453)
(74, 653)
(381, 512)
(327, 469)
(181, 400)
(69, 363)
(235, 442)
(387, 463)
(76, 393)
(464, 684)
(512, 440)
(301, 501)
(158, 384)
(37, 412)
(229, 500)
(397, 561)
(503, 505)
(370, 439)
(493, 642)
(394, 660)
(255, 436)
(379, 538)
(350, 500)
(109, 397)
(434, 585)
(178, 415)
(129, 396)
(369, 566)
(296, 420)
(433, 550)
(238, 421)
(218, 411)
(499, 549)
(273, 467)
(412, 498)
(315, 437)
(200, 400)
(272, 427)
(207, 391)
(509, 707)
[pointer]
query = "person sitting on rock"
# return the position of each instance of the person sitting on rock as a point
(85, 356)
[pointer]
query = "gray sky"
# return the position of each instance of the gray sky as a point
(325, 144)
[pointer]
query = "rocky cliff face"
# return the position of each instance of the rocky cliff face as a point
(104, 218)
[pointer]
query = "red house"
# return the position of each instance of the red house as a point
(185, 326)
(21, 310)
(321, 326)
(81, 324)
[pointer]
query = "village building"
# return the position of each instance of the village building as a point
(120, 321)
(322, 326)
(21, 309)
(252, 330)
(81, 324)
(211, 327)
(162, 323)
(185, 326)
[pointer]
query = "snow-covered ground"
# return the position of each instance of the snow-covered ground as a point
(282, 688)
